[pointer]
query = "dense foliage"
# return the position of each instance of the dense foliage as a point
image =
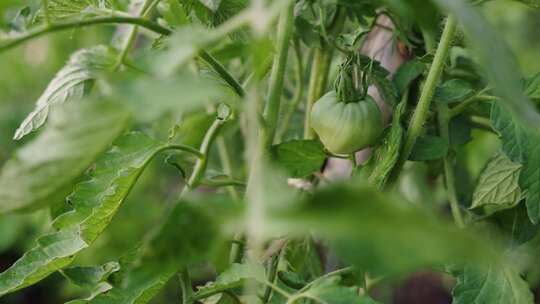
(280, 151)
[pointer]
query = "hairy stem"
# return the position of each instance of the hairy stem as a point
(444, 120)
(455, 111)
(185, 286)
(200, 166)
(317, 84)
(236, 253)
(143, 12)
(46, 12)
(66, 25)
(222, 71)
(320, 69)
(420, 114)
(298, 95)
(187, 149)
(271, 113)
(121, 19)
(272, 272)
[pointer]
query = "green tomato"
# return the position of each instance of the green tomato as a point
(345, 128)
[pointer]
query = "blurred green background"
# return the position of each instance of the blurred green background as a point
(24, 74)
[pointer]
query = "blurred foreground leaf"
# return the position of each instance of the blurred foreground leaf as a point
(42, 171)
(94, 203)
(72, 82)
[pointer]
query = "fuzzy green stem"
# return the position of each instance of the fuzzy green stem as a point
(222, 71)
(299, 94)
(185, 285)
(320, 68)
(420, 114)
(66, 25)
(130, 39)
(236, 253)
(318, 82)
(121, 19)
(455, 111)
(271, 113)
(187, 149)
(200, 166)
(46, 15)
(444, 120)
(272, 273)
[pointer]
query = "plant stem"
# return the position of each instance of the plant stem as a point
(426, 96)
(455, 111)
(226, 164)
(66, 25)
(200, 166)
(185, 286)
(317, 84)
(338, 272)
(220, 69)
(271, 113)
(46, 15)
(444, 120)
(320, 69)
(236, 253)
(298, 95)
(121, 19)
(130, 39)
(272, 272)
(186, 149)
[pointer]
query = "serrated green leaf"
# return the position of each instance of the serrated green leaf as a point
(429, 147)
(490, 48)
(140, 287)
(214, 12)
(531, 3)
(40, 171)
(453, 90)
(188, 235)
(532, 87)
(94, 203)
(460, 129)
(300, 158)
(407, 73)
(64, 9)
(530, 181)
(514, 136)
(71, 83)
(498, 184)
(328, 290)
(90, 276)
(303, 258)
(516, 223)
(499, 284)
(233, 277)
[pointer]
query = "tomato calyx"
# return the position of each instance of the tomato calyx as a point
(351, 85)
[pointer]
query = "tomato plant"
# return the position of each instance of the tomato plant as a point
(284, 151)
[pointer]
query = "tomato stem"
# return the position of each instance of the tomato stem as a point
(277, 76)
(299, 93)
(444, 120)
(318, 82)
(420, 114)
(143, 12)
(46, 15)
(320, 68)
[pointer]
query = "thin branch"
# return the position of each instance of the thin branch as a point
(66, 25)
(121, 19)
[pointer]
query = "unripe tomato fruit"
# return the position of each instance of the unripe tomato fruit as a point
(343, 127)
